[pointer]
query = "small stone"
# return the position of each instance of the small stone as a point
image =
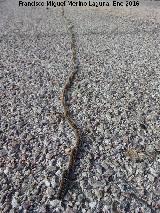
(58, 173)
(84, 174)
(14, 202)
(3, 152)
(68, 151)
(99, 194)
(80, 197)
(99, 169)
(47, 183)
(69, 210)
(54, 203)
(6, 170)
(153, 172)
(53, 182)
(151, 178)
(49, 192)
(105, 208)
(92, 204)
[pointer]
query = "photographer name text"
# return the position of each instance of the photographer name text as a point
(78, 3)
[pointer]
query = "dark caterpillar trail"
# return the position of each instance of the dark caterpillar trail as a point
(67, 173)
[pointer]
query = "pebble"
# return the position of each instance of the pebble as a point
(54, 203)
(14, 202)
(47, 183)
(92, 205)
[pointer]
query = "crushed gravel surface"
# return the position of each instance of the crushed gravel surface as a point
(115, 101)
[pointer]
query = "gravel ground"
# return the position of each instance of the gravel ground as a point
(114, 100)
